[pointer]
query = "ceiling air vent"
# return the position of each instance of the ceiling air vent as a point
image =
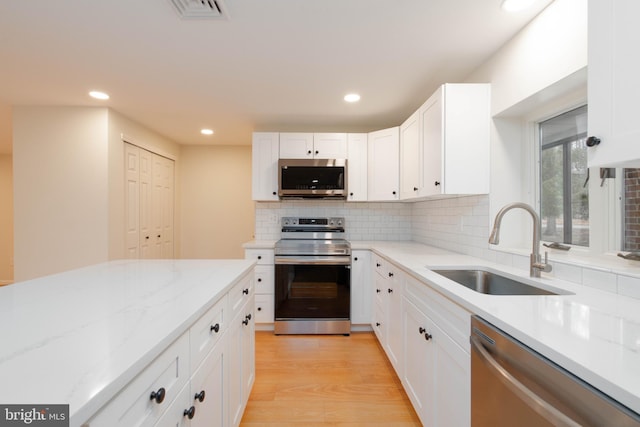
(201, 9)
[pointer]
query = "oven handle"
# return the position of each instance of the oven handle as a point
(535, 402)
(312, 260)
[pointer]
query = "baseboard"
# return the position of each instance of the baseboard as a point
(354, 328)
(5, 282)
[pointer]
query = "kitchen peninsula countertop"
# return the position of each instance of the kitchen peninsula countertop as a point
(592, 333)
(78, 337)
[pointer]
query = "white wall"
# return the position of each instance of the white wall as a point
(217, 211)
(69, 186)
(6, 219)
(60, 189)
(542, 64)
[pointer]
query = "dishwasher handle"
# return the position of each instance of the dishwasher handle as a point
(538, 404)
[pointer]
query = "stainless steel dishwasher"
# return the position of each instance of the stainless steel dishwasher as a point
(512, 385)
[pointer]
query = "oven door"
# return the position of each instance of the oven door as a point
(312, 289)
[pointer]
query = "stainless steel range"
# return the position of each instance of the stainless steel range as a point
(312, 277)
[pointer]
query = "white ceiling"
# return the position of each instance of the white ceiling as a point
(275, 65)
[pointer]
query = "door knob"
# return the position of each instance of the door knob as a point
(592, 141)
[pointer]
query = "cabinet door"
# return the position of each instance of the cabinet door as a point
(465, 140)
(207, 331)
(330, 145)
(361, 287)
(295, 145)
(264, 276)
(383, 165)
(234, 389)
(264, 308)
(378, 321)
(613, 37)
(419, 362)
(265, 152)
(452, 382)
(175, 415)
(393, 318)
(410, 157)
(208, 384)
(432, 134)
(241, 361)
(357, 167)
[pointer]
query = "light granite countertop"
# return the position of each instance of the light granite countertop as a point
(592, 333)
(78, 337)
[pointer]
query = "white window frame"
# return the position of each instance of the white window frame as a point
(605, 218)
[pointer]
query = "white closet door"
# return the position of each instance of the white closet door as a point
(156, 206)
(166, 208)
(149, 193)
(146, 209)
(132, 200)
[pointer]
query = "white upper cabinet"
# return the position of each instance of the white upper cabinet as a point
(454, 139)
(265, 166)
(357, 167)
(330, 145)
(313, 145)
(410, 157)
(295, 145)
(614, 67)
(383, 165)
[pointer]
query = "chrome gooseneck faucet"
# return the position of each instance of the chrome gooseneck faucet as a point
(535, 265)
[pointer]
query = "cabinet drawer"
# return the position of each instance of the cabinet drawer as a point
(240, 293)
(207, 330)
(263, 256)
(454, 320)
(379, 265)
(133, 405)
(264, 279)
(175, 413)
(378, 322)
(264, 309)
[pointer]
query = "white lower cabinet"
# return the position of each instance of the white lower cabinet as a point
(387, 320)
(264, 283)
(202, 379)
(360, 287)
(426, 338)
(437, 371)
(241, 358)
(176, 414)
(149, 394)
(202, 402)
(208, 389)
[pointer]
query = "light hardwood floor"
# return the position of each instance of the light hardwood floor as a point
(324, 380)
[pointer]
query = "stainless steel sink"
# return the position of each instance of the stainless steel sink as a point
(490, 283)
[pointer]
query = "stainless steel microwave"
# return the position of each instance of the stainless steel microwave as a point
(312, 178)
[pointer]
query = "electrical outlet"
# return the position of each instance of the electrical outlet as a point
(273, 219)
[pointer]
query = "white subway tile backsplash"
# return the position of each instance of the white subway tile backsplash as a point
(458, 224)
(568, 272)
(629, 286)
(599, 279)
(364, 221)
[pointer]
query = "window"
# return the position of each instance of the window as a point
(631, 211)
(564, 195)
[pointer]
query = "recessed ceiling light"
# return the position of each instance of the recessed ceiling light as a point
(98, 95)
(206, 132)
(352, 97)
(516, 5)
